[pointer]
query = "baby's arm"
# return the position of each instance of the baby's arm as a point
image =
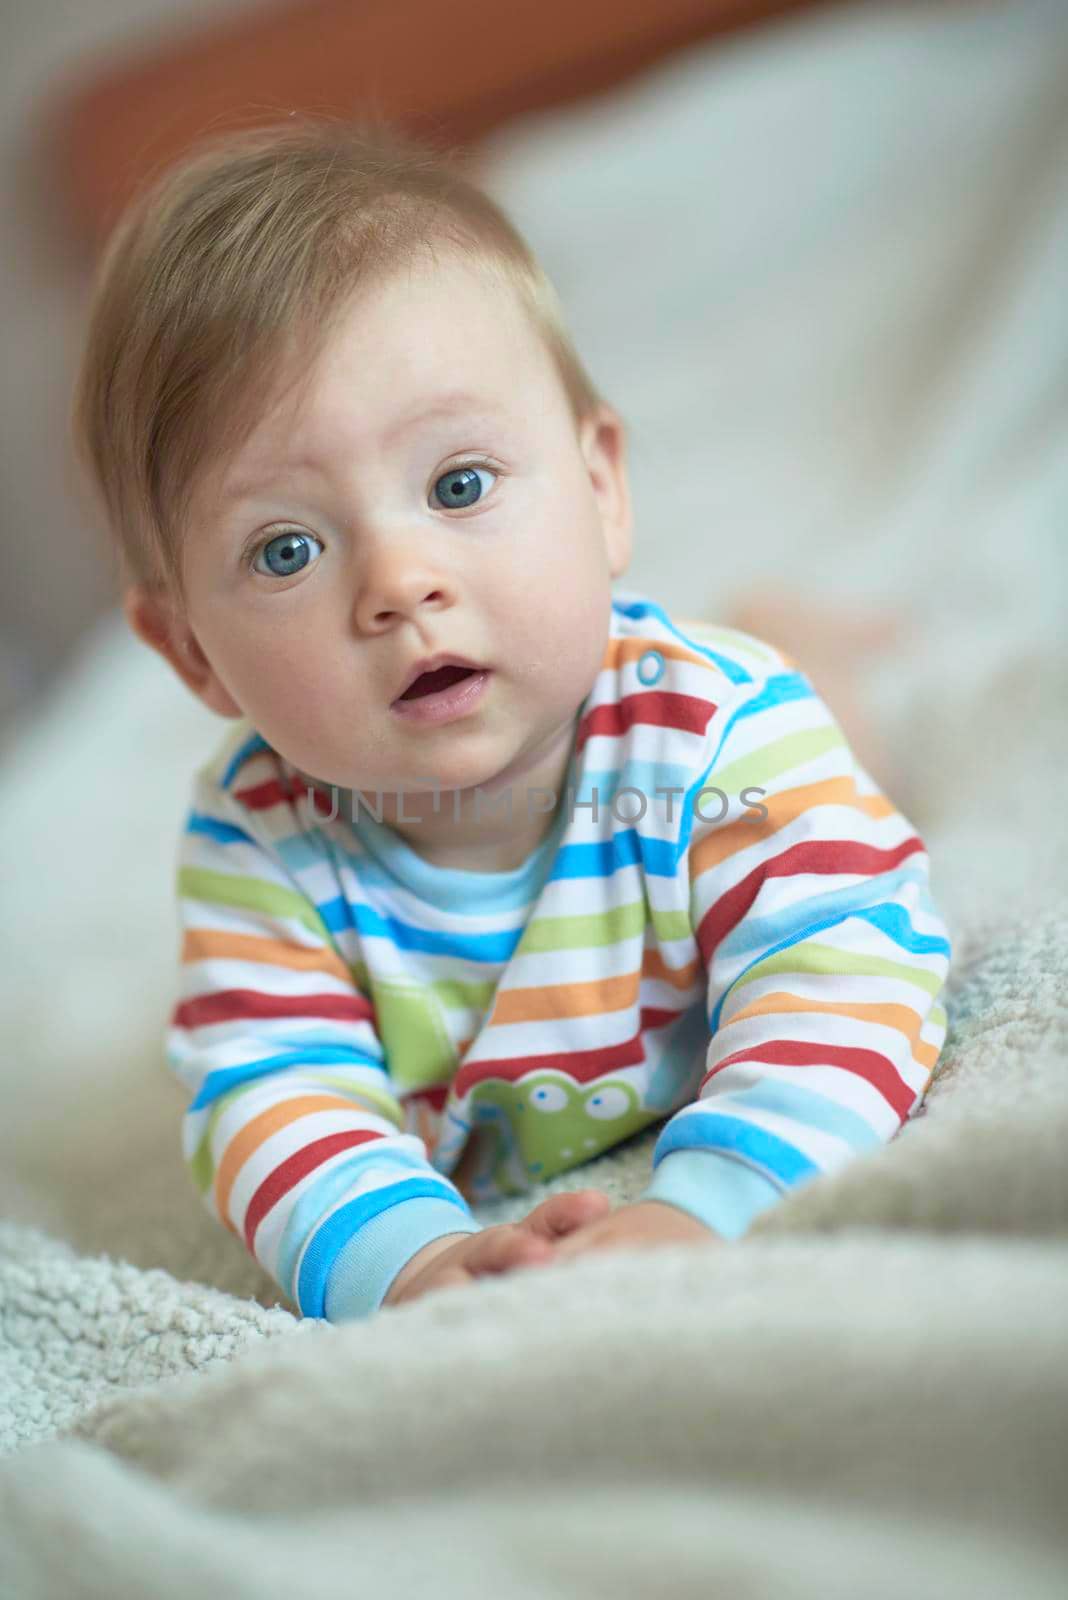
(293, 1134)
(824, 954)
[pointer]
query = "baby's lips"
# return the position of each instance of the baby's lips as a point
(430, 664)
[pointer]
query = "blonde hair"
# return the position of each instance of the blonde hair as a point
(234, 260)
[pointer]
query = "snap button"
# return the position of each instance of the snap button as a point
(651, 667)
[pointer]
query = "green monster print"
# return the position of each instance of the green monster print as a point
(545, 1123)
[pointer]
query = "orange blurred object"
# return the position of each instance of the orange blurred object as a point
(448, 73)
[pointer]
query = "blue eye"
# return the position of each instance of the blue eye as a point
(291, 553)
(461, 486)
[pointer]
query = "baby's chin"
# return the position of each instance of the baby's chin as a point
(442, 761)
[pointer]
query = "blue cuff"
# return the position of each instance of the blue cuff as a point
(367, 1264)
(719, 1191)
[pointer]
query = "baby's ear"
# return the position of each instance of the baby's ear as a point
(159, 622)
(603, 442)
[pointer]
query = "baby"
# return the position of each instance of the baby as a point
(494, 867)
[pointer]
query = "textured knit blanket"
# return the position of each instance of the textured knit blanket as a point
(873, 1383)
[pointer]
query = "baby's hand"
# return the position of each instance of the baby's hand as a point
(460, 1257)
(647, 1223)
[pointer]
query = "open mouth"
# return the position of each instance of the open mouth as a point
(434, 682)
(444, 695)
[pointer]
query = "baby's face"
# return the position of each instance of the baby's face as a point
(428, 494)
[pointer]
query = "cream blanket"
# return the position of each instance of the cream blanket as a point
(869, 1393)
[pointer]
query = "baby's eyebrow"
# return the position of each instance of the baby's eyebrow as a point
(445, 405)
(442, 406)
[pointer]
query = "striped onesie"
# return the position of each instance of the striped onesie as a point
(728, 930)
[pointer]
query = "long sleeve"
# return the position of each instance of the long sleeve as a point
(825, 958)
(293, 1135)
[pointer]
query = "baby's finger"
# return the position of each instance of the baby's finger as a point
(561, 1214)
(578, 1243)
(500, 1249)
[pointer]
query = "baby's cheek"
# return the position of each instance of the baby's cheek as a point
(554, 614)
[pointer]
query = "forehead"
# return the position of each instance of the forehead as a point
(428, 343)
